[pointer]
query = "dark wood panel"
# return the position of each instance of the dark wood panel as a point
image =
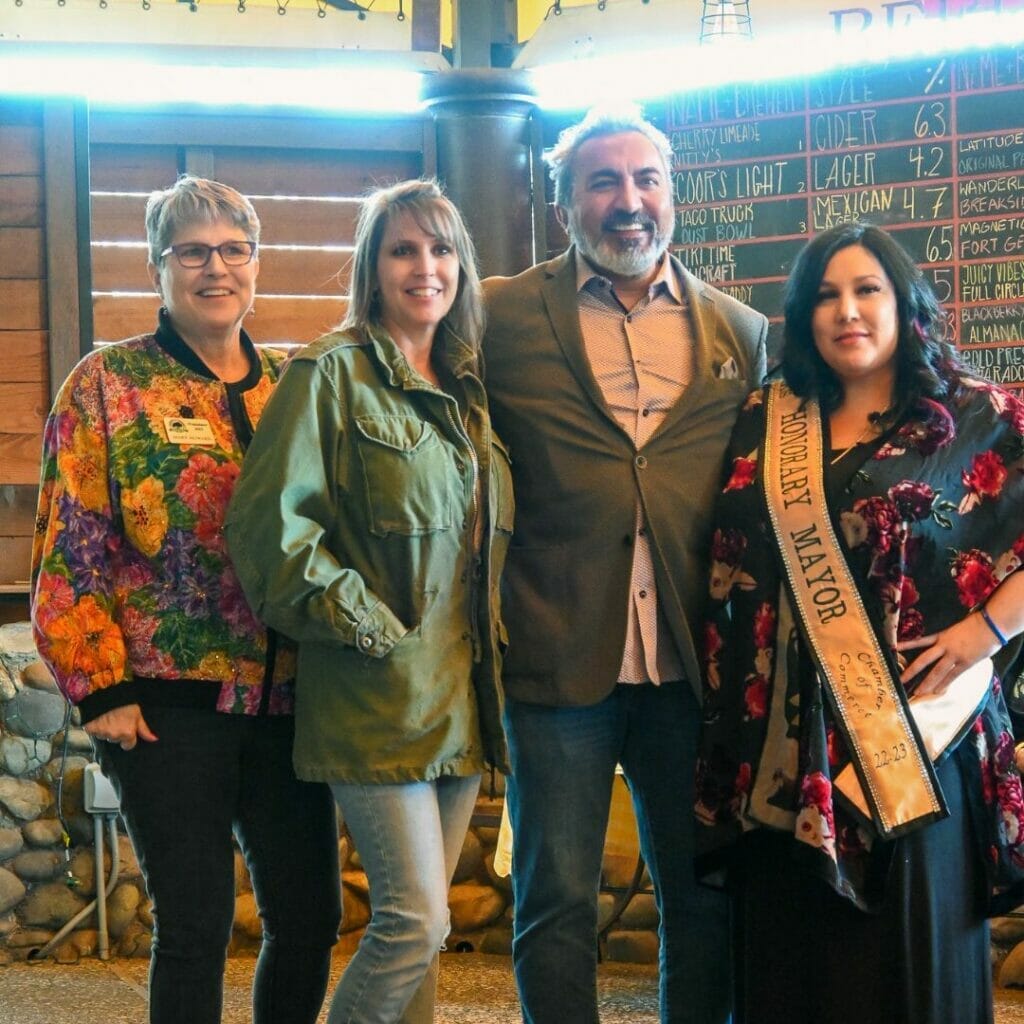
(119, 270)
(284, 320)
(120, 317)
(21, 253)
(294, 321)
(557, 239)
(17, 509)
(15, 559)
(21, 201)
(66, 196)
(21, 149)
(119, 218)
(282, 271)
(23, 407)
(132, 168)
(309, 221)
(19, 458)
(23, 355)
(264, 130)
(312, 173)
(14, 608)
(22, 305)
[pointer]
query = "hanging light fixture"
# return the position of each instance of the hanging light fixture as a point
(725, 19)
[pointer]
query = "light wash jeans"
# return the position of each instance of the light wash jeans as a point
(409, 838)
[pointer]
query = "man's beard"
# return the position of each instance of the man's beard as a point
(623, 258)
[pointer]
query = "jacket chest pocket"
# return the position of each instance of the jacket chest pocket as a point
(406, 471)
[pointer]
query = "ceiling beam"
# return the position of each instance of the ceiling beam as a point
(426, 25)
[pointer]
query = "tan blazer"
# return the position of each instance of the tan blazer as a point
(577, 478)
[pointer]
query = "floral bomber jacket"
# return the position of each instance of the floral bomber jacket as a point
(930, 525)
(134, 598)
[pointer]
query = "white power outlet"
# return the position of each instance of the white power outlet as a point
(99, 795)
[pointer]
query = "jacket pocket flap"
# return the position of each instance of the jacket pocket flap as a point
(403, 433)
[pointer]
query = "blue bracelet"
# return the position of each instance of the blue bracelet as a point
(991, 625)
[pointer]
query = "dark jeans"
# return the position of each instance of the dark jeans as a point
(563, 764)
(207, 776)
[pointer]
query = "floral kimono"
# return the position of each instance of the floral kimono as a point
(931, 519)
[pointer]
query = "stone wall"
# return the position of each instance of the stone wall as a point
(45, 882)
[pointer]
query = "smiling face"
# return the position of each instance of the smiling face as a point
(856, 321)
(206, 303)
(620, 211)
(417, 279)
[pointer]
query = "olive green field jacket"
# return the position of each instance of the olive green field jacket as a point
(353, 530)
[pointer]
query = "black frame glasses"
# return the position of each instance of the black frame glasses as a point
(194, 255)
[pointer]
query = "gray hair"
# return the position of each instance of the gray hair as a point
(597, 122)
(437, 216)
(191, 199)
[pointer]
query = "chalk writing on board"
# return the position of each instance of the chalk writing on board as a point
(931, 149)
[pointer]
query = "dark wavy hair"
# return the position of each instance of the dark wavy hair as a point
(927, 365)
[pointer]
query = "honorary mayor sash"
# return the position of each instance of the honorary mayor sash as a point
(895, 773)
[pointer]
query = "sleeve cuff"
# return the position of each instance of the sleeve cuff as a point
(110, 697)
(379, 631)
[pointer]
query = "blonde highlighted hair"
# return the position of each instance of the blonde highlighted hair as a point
(437, 216)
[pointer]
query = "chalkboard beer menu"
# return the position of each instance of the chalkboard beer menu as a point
(932, 149)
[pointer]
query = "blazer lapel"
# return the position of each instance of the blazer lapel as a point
(703, 322)
(562, 303)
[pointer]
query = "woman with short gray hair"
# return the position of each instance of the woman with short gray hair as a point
(137, 609)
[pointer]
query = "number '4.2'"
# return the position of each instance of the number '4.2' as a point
(927, 161)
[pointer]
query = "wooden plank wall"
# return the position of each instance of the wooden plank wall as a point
(305, 176)
(23, 332)
(307, 201)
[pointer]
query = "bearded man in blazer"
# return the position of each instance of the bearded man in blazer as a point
(614, 377)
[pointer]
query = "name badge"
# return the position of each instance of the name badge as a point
(188, 431)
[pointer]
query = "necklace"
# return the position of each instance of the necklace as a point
(871, 427)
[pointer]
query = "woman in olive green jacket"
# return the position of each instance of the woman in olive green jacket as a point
(370, 524)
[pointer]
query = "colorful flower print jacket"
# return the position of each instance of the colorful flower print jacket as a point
(930, 524)
(371, 524)
(134, 598)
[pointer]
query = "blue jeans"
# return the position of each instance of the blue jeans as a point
(563, 765)
(182, 796)
(409, 837)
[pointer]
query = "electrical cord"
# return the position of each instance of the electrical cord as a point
(65, 834)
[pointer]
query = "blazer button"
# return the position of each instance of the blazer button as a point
(640, 462)
(367, 641)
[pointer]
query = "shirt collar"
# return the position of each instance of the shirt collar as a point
(666, 280)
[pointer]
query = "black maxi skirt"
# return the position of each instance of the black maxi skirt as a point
(804, 955)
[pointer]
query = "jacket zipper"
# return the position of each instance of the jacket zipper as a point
(471, 525)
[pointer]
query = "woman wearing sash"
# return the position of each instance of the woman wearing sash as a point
(856, 783)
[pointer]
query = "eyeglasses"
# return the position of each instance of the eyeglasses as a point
(194, 255)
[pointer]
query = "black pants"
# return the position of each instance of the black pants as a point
(207, 776)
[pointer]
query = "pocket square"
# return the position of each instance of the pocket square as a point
(728, 370)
